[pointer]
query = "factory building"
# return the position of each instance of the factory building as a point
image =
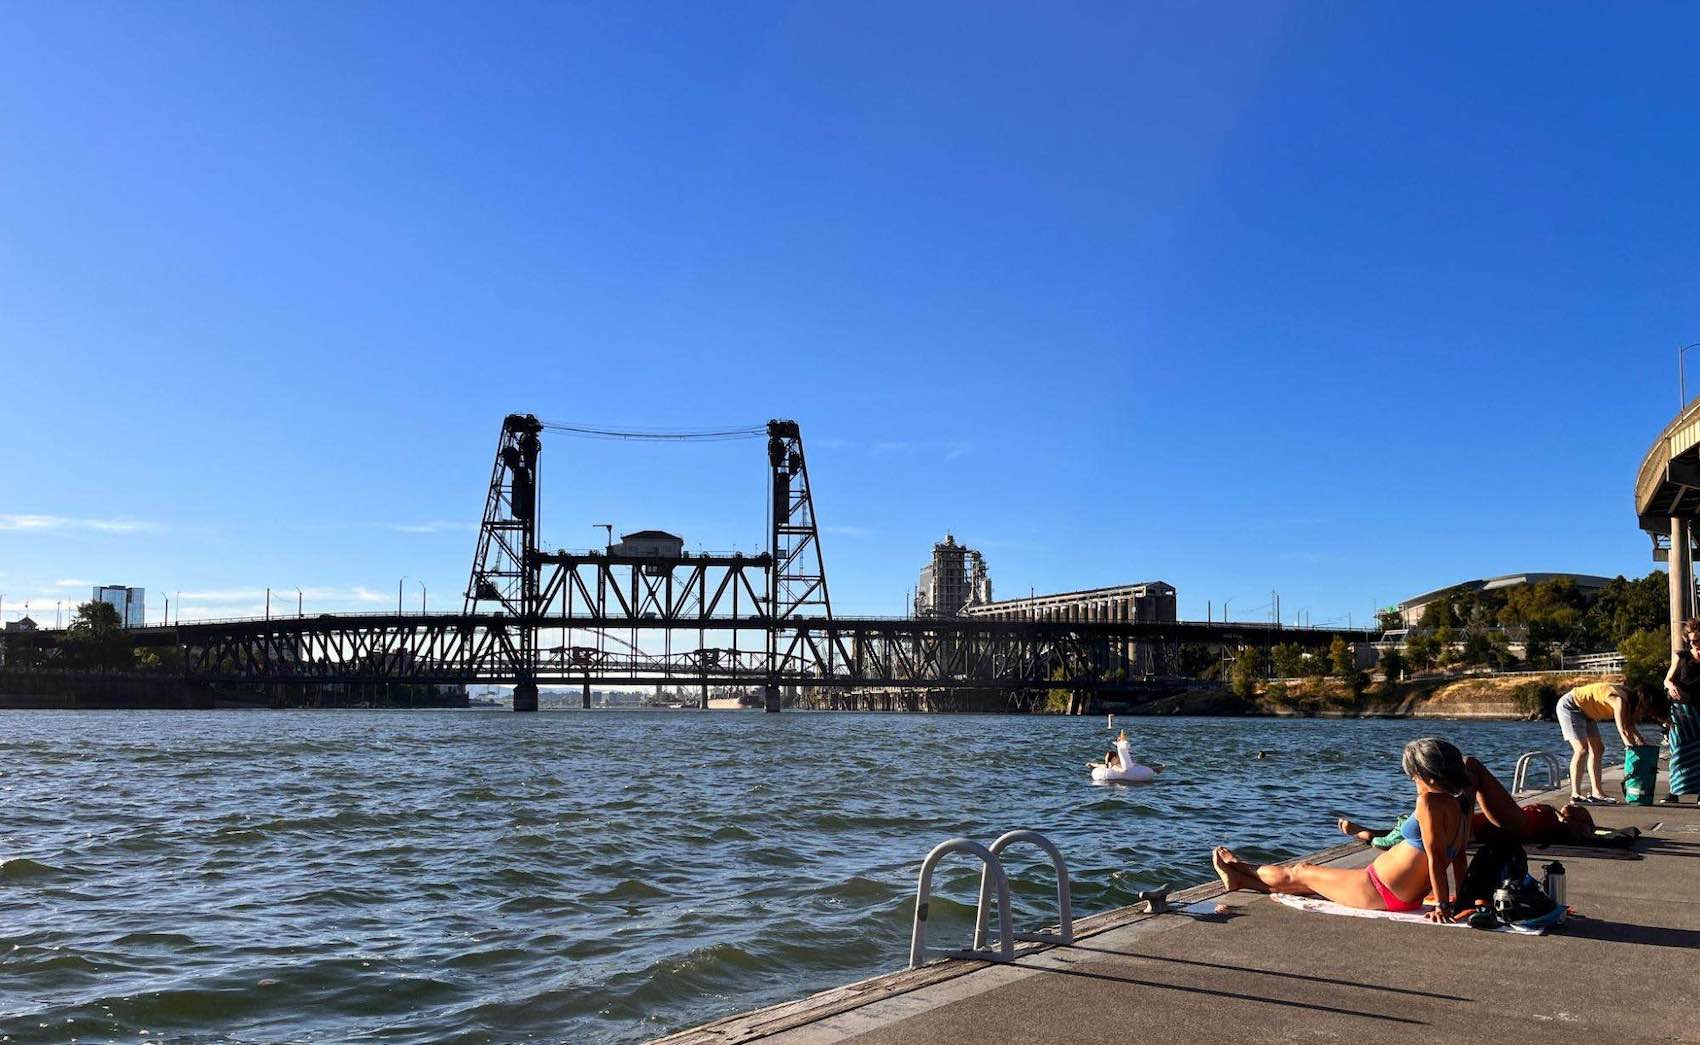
(954, 581)
(129, 602)
(1146, 601)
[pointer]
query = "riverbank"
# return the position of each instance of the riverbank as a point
(1507, 698)
(1238, 966)
(82, 690)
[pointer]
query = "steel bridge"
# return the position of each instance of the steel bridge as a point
(533, 616)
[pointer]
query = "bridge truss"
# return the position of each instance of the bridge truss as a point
(533, 616)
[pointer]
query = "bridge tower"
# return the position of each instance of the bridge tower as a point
(797, 579)
(505, 568)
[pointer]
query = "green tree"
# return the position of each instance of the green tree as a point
(1345, 662)
(1421, 649)
(1392, 663)
(1244, 673)
(1317, 665)
(1289, 660)
(1389, 619)
(1437, 614)
(95, 640)
(1198, 660)
(1646, 658)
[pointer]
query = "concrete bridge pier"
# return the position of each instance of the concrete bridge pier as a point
(585, 698)
(1681, 578)
(525, 696)
(703, 704)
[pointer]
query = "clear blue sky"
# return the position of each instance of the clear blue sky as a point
(1345, 300)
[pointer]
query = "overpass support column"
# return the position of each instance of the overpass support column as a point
(1681, 578)
(586, 697)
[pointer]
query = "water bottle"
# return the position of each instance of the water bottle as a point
(1554, 883)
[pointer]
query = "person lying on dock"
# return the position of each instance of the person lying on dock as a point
(1541, 823)
(1431, 843)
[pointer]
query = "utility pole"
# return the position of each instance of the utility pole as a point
(298, 599)
(268, 604)
(398, 585)
(422, 598)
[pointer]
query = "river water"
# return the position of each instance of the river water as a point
(587, 876)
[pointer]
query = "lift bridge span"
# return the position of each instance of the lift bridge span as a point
(533, 616)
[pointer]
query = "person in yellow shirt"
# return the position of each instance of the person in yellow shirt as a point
(1579, 713)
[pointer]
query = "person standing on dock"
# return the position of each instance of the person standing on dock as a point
(1682, 683)
(1579, 713)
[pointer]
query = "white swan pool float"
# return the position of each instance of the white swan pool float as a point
(1130, 773)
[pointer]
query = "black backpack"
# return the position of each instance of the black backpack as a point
(1497, 861)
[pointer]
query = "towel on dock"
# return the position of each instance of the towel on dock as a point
(1321, 906)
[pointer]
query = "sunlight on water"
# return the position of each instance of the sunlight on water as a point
(597, 876)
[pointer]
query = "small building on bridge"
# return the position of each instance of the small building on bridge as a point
(650, 544)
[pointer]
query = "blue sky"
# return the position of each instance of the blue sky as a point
(1348, 301)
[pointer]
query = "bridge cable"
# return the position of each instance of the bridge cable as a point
(656, 435)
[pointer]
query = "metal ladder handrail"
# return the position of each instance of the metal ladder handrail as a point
(918, 949)
(1545, 759)
(1065, 910)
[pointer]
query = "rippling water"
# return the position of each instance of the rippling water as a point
(585, 876)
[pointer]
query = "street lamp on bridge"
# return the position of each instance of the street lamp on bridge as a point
(398, 585)
(298, 601)
(1682, 376)
(421, 598)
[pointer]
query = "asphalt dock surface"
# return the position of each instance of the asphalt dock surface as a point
(1238, 967)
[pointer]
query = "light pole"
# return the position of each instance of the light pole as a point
(298, 600)
(422, 598)
(609, 545)
(1682, 375)
(268, 604)
(179, 607)
(398, 585)
(1225, 602)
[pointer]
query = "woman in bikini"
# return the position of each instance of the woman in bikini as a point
(1433, 841)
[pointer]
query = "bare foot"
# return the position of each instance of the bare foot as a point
(1362, 834)
(1233, 871)
(1219, 860)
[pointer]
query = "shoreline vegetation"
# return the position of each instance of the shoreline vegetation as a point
(1502, 697)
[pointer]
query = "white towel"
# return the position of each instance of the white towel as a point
(1321, 906)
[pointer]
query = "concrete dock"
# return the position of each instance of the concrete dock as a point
(1239, 966)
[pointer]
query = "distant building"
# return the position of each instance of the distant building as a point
(131, 603)
(955, 580)
(1145, 601)
(21, 624)
(650, 544)
(1411, 610)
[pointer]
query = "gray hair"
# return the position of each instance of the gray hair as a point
(1438, 762)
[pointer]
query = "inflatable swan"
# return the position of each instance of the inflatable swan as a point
(1131, 771)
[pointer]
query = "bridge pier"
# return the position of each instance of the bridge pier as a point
(770, 697)
(525, 696)
(704, 704)
(586, 697)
